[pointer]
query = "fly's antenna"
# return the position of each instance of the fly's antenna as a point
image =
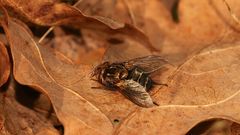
(93, 72)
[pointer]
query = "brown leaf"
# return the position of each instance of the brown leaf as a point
(85, 46)
(116, 10)
(50, 14)
(235, 129)
(4, 64)
(204, 87)
(209, 77)
(179, 119)
(212, 127)
(47, 132)
(201, 24)
(178, 41)
(33, 67)
(15, 118)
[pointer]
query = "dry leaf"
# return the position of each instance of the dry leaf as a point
(235, 129)
(4, 64)
(77, 45)
(71, 108)
(179, 119)
(47, 132)
(45, 76)
(212, 127)
(49, 14)
(16, 118)
(68, 86)
(209, 77)
(201, 24)
(203, 87)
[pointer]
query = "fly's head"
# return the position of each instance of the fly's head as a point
(99, 70)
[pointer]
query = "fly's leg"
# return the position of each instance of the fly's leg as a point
(155, 103)
(163, 84)
(103, 88)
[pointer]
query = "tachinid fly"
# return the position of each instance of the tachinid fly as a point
(131, 78)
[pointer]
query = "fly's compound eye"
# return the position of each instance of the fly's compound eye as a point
(109, 75)
(112, 70)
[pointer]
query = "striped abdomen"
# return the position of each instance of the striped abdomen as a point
(138, 75)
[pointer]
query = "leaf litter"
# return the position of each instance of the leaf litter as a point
(206, 65)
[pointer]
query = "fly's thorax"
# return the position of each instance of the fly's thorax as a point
(113, 74)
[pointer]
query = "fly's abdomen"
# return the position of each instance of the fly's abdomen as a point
(138, 75)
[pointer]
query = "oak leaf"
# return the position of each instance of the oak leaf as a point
(31, 69)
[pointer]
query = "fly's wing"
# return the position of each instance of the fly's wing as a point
(149, 63)
(133, 55)
(136, 93)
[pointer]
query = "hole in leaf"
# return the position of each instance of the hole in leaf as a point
(116, 121)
